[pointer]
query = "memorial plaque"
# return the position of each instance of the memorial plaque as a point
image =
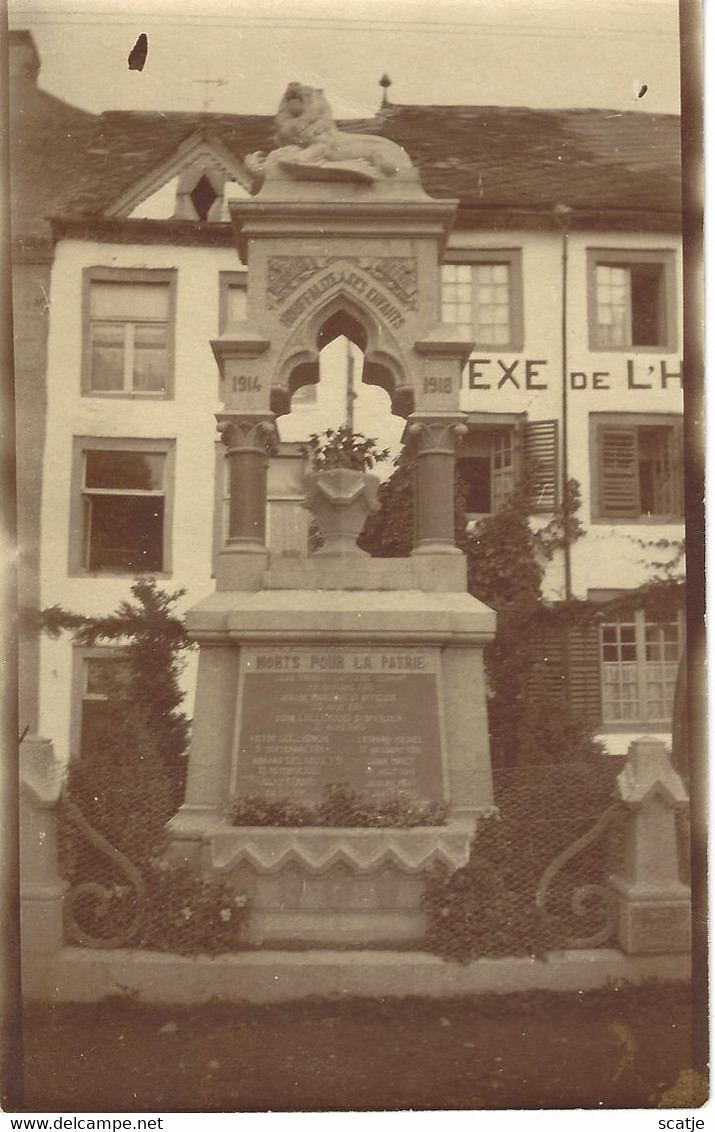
(368, 718)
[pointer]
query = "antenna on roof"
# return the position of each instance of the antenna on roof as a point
(385, 83)
(207, 83)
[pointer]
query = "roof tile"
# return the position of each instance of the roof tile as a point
(69, 162)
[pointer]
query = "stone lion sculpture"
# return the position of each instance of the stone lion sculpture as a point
(310, 145)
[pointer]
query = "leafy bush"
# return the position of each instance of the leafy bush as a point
(343, 448)
(479, 911)
(340, 807)
(528, 723)
(488, 907)
(191, 915)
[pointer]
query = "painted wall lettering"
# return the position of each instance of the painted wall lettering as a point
(475, 373)
(510, 373)
(632, 383)
(532, 372)
(675, 375)
(578, 379)
(527, 374)
(637, 376)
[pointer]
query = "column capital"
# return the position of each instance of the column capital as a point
(256, 431)
(435, 432)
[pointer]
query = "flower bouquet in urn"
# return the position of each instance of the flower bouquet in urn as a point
(341, 490)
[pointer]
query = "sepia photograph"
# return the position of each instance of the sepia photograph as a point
(358, 450)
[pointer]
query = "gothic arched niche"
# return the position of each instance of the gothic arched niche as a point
(342, 316)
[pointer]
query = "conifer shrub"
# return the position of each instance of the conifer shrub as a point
(131, 783)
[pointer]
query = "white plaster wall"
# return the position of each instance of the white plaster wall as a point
(541, 267)
(612, 555)
(609, 556)
(188, 419)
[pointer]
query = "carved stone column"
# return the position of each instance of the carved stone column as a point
(654, 901)
(433, 440)
(249, 438)
(41, 886)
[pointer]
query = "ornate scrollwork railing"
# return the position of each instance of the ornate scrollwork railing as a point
(584, 896)
(102, 895)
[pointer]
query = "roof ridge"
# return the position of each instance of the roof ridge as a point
(492, 106)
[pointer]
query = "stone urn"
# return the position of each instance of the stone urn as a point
(341, 500)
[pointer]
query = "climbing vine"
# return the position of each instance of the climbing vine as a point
(506, 557)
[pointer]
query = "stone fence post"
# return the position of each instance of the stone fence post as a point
(654, 914)
(41, 886)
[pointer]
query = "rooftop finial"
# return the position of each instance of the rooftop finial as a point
(385, 83)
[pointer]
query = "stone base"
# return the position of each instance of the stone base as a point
(653, 922)
(323, 929)
(437, 568)
(327, 886)
(425, 739)
(77, 974)
(41, 921)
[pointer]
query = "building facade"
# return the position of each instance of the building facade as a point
(564, 264)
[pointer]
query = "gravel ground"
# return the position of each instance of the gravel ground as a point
(626, 1048)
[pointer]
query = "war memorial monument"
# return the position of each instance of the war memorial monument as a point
(338, 668)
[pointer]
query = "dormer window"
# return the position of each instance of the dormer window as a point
(203, 196)
(199, 192)
(195, 183)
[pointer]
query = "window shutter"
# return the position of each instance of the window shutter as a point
(584, 673)
(548, 675)
(618, 472)
(540, 450)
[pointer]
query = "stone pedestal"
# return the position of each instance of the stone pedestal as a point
(365, 672)
(337, 668)
(654, 904)
(41, 887)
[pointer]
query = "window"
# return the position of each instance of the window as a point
(481, 291)
(120, 508)
(233, 298)
(491, 455)
(200, 190)
(486, 465)
(99, 675)
(203, 197)
(637, 467)
(128, 333)
(639, 662)
(631, 300)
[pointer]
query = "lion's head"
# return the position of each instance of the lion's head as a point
(303, 115)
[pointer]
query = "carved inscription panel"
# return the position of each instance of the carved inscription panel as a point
(369, 718)
(297, 283)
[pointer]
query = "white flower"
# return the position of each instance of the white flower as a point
(240, 901)
(225, 915)
(186, 913)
